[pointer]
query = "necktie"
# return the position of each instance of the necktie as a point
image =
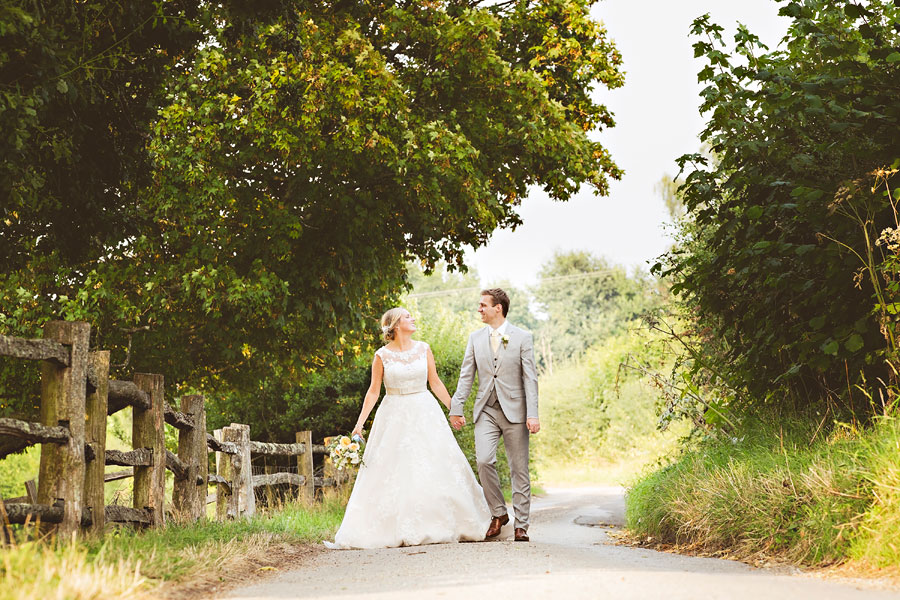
(495, 340)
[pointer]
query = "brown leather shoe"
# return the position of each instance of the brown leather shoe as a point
(496, 524)
(521, 535)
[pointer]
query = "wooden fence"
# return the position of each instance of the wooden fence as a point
(77, 396)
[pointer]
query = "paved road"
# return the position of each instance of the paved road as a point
(568, 558)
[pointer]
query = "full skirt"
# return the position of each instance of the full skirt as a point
(415, 486)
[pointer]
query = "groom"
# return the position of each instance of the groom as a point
(506, 406)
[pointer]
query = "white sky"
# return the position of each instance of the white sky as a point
(657, 120)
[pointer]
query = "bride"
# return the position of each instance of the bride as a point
(415, 486)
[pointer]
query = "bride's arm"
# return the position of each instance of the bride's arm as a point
(371, 394)
(434, 380)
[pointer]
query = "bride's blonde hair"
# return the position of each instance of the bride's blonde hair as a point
(389, 323)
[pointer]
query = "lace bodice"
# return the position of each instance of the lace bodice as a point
(405, 372)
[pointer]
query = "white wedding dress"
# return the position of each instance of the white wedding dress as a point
(415, 486)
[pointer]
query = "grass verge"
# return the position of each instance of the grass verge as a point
(174, 561)
(775, 495)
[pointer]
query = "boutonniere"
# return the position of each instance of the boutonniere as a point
(505, 341)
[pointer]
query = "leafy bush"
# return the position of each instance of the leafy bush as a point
(776, 266)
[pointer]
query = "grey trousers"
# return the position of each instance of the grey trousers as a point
(489, 428)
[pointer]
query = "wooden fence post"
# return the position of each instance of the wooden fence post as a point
(31, 491)
(189, 496)
(243, 498)
(95, 437)
(201, 456)
(62, 404)
(224, 471)
(148, 431)
(307, 491)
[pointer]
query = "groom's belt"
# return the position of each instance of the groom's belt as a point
(404, 391)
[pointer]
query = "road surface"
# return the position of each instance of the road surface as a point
(571, 556)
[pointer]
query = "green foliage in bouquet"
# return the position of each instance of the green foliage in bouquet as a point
(346, 452)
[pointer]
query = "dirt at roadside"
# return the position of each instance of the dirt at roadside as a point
(243, 571)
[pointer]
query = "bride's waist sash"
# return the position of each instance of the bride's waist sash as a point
(404, 391)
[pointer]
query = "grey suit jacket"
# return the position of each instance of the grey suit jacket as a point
(512, 374)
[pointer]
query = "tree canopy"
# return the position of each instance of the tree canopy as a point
(232, 189)
(586, 300)
(777, 266)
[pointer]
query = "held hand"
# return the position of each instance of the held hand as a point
(534, 425)
(357, 431)
(457, 422)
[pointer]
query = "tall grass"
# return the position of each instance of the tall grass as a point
(774, 494)
(129, 564)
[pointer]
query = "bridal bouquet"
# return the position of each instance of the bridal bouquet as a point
(346, 451)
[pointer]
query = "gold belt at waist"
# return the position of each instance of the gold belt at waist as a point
(403, 391)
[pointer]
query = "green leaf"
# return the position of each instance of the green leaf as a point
(892, 308)
(893, 57)
(755, 212)
(830, 347)
(854, 342)
(817, 322)
(852, 11)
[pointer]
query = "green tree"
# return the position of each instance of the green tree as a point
(667, 188)
(302, 152)
(585, 300)
(775, 258)
(80, 83)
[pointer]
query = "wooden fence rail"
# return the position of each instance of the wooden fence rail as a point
(76, 397)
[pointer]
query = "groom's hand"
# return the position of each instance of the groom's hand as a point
(533, 425)
(457, 422)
